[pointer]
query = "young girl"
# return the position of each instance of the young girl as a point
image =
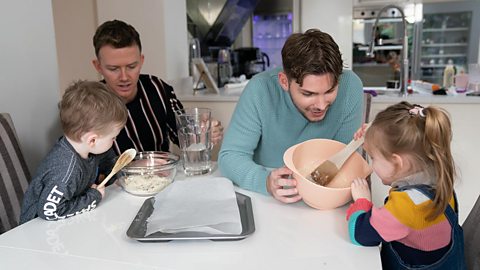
(409, 147)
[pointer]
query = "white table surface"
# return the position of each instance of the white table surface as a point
(287, 236)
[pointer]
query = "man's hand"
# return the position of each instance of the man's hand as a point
(217, 132)
(281, 187)
(360, 189)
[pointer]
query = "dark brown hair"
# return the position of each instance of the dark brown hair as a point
(117, 34)
(90, 106)
(311, 53)
(424, 135)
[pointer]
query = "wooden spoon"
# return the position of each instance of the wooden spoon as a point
(125, 158)
(326, 171)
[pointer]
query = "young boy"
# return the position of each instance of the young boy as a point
(64, 185)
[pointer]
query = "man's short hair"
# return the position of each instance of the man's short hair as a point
(117, 34)
(311, 53)
(89, 106)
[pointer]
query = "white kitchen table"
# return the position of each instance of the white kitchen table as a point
(287, 236)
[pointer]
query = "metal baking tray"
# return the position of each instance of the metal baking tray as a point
(138, 228)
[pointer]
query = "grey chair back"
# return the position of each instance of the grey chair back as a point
(14, 174)
(471, 233)
(367, 107)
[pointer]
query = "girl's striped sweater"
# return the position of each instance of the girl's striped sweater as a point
(402, 221)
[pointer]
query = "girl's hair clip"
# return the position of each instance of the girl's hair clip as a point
(417, 110)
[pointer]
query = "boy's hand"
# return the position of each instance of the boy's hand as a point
(100, 189)
(360, 189)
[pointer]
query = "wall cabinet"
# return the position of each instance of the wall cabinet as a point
(445, 40)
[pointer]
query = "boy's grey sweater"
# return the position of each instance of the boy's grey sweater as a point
(61, 186)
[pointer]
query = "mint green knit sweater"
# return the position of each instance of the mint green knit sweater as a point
(266, 123)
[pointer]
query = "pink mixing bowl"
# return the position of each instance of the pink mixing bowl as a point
(337, 192)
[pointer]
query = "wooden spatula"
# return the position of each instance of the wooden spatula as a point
(326, 171)
(125, 158)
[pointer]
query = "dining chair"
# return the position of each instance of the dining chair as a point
(14, 174)
(471, 233)
(367, 107)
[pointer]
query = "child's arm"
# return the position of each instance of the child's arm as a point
(360, 230)
(368, 226)
(358, 216)
(61, 200)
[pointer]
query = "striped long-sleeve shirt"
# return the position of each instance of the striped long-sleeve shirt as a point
(151, 117)
(402, 222)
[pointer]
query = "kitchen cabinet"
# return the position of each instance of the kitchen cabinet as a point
(445, 39)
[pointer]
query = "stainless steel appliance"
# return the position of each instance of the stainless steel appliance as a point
(382, 31)
(249, 61)
(224, 67)
(404, 49)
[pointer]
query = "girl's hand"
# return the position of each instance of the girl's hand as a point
(360, 189)
(360, 132)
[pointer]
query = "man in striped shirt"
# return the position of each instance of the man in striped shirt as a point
(151, 102)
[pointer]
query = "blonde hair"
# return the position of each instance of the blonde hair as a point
(90, 106)
(422, 134)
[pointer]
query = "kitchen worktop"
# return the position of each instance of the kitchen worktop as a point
(184, 91)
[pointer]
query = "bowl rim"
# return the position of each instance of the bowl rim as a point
(172, 160)
(294, 170)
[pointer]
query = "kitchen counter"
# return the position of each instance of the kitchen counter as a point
(425, 99)
(233, 96)
(208, 95)
(184, 91)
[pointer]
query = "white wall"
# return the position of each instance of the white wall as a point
(162, 25)
(75, 23)
(29, 74)
(333, 17)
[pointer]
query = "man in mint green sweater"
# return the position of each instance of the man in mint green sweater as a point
(311, 97)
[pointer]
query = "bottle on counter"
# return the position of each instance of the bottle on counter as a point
(448, 74)
(194, 47)
(461, 82)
